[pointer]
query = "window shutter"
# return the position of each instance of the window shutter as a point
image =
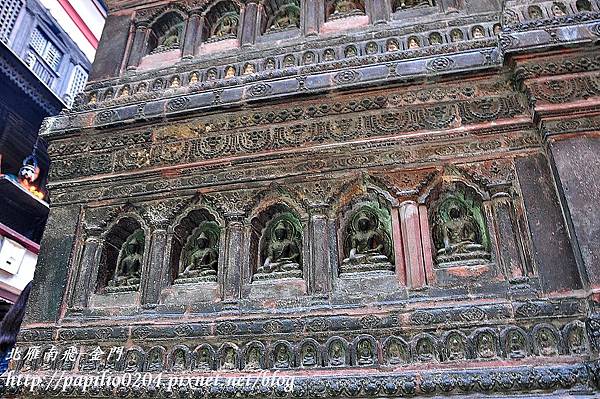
(9, 11)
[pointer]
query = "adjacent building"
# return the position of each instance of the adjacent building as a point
(46, 51)
(379, 198)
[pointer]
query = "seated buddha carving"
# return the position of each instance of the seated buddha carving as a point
(287, 16)
(129, 266)
(404, 4)
(458, 235)
(369, 244)
(282, 252)
(226, 27)
(346, 7)
(171, 39)
(200, 256)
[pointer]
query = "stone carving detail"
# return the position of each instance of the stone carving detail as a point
(105, 117)
(200, 255)
(545, 341)
(225, 27)
(336, 352)
(345, 77)
(287, 16)
(367, 240)
(254, 356)
(178, 104)
(216, 137)
(400, 5)
(575, 338)
(440, 64)
(486, 345)
(129, 264)
(259, 89)
(516, 344)
(365, 353)
(282, 356)
(204, 358)
(229, 359)
(396, 351)
(134, 360)
(344, 8)
(424, 348)
(155, 360)
(459, 229)
(167, 33)
(456, 346)
(309, 354)
(505, 381)
(281, 248)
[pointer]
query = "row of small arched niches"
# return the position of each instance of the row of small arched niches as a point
(482, 344)
(556, 9)
(230, 73)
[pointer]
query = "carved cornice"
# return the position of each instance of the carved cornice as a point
(366, 155)
(557, 65)
(550, 330)
(502, 380)
(562, 126)
(309, 125)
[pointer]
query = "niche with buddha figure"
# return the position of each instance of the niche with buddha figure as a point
(222, 22)
(280, 15)
(458, 227)
(335, 9)
(166, 33)
(122, 257)
(401, 5)
(195, 248)
(277, 244)
(366, 239)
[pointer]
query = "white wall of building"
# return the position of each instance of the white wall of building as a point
(90, 11)
(17, 266)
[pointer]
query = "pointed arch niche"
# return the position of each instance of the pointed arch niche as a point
(122, 258)
(447, 234)
(164, 43)
(195, 257)
(368, 241)
(277, 234)
(342, 14)
(221, 27)
(280, 18)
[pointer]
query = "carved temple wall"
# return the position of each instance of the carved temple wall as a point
(380, 199)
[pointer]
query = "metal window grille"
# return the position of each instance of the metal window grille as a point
(45, 49)
(9, 11)
(78, 80)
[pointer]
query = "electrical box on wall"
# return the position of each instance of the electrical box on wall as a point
(11, 256)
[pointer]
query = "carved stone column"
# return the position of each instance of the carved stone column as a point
(138, 47)
(199, 33)
(320, 249)
(249, 24)
(412, 246)
(311, 17)
(85, 282)
(426, 244)
(191, 33)
(234, 256)
(156, 268)
(510, 254)
(380, 11)
(398, 248)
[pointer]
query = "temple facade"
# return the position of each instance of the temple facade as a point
(378, 198)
